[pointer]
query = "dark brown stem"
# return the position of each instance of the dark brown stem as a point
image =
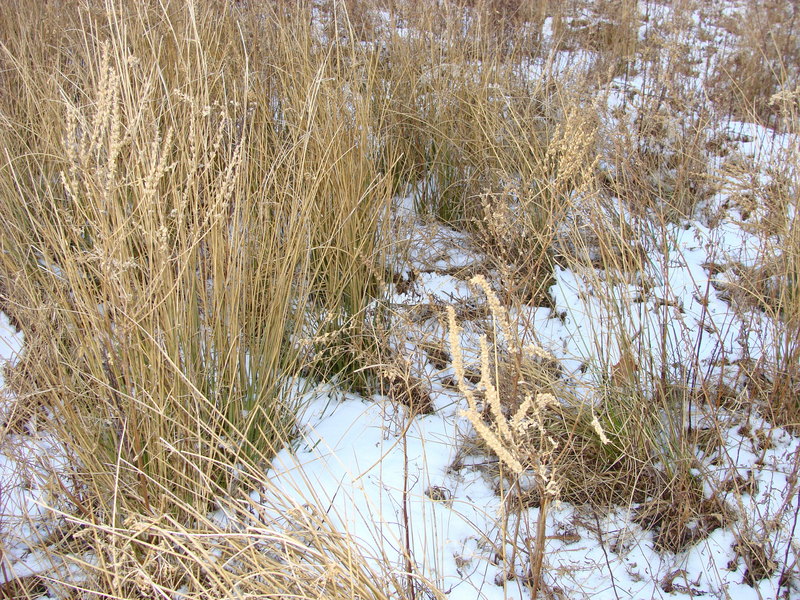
(538, 553)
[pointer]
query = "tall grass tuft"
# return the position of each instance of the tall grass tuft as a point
(179, 222)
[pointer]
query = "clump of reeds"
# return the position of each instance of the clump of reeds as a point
(179, 223)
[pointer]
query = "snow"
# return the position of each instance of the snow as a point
(10, 344)
(355, 457)
(351, 455)
(25, 461)
(378, 471)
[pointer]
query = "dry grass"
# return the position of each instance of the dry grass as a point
(172, 242)
(195, 212)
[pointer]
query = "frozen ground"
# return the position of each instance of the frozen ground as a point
(356, 456)
(379, 471)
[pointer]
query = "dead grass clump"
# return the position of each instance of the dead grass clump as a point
(551, 445)
(461, 115)
(543, 177)
(165, 233)
(196, 213)
(660, 163)
(546, 449)
(255, 544)
(681, 515)
(762, 62)
(504, 25)
(758, 555)
(764, 287)
(609, 29)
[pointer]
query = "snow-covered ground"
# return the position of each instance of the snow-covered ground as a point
(380, 472)
(10, 343)
(356, 456)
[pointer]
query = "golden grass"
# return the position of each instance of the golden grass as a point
(173, 242)
(196, 210)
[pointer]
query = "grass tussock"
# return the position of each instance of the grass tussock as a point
(552, 445)
(177, 246)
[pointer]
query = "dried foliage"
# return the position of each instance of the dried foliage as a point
(196, 212)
